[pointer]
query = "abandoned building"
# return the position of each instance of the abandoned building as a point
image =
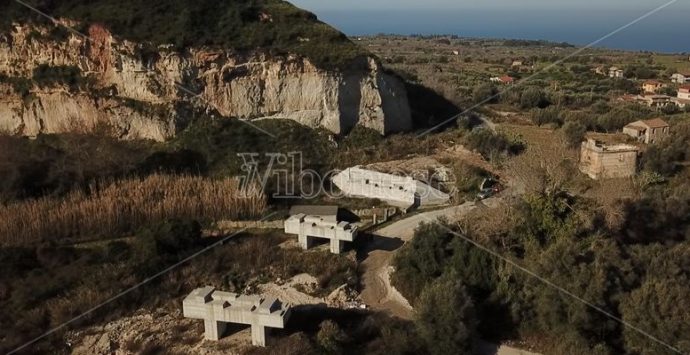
(401, 191)
(600, 161)
(648, 131)
(218, 308)
(310, 222)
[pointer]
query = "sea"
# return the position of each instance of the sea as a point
(666, 31)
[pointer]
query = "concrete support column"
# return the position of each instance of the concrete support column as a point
(258, 335)
(336, 246)
(305, 241)
(213, 330)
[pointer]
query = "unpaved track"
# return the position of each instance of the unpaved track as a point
(378, 293)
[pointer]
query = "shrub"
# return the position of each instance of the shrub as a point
(56, 164)
(601, 107)
(658, 307)
(533, 97)
(330, 337)
(617, 118)
(549, 115)
(445, 317)
(492, 145)
(574, 133)
(182, 161)
(484, 92)
(670, 109)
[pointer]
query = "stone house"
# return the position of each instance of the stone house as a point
(600, 161)
(652, 86)
(648, 131)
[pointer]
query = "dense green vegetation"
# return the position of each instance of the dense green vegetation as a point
(549, 237)
(445, 317)
(635, 269)
(271, 25)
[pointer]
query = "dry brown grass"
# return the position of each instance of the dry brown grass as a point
(111, 209)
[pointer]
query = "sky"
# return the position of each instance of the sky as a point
(579, 22)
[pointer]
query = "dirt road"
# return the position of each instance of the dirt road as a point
(378, 293)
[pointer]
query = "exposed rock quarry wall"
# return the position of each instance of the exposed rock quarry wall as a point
(245, 86)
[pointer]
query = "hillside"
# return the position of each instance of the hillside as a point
(274, 25)
(144, 67)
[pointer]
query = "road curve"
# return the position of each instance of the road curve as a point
(379, 294)
(377, 291)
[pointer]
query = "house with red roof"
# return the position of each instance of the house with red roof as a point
(505, 80)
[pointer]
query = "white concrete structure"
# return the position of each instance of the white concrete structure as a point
(680, 78)
(615, 72)
(217, 308)
(320, 225)
(403, 191)
(684, 92)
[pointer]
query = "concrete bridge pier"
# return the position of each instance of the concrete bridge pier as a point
(258, 335)
(305, 241)
(336, 246)
(213, 330)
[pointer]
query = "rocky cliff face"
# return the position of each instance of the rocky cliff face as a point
(137, 92)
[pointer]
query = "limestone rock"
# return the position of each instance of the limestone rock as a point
(236, 85)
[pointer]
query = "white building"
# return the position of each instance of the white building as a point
(683, 98)
(402, 191)
(218, 308)
(615, 72)
(680, 78)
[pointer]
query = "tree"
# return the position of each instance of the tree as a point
(601, 107)
(662, 308)
(574, 133)
(483, 92)
(422, 260)
(547, 115)
(445, 317)
(670, 109)
(533, 97)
